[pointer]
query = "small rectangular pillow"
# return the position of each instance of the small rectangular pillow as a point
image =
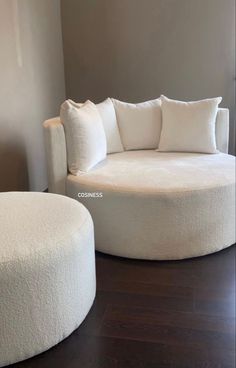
(139, 124)
(189, 126)
(107, 112)
(85, 136)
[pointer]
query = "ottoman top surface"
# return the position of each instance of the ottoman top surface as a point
(31, 221)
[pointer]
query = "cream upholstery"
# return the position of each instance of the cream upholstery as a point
(47, 271)
(139, 124)
(188, 126)
(55, 145)
(147, 171)
(85, 136)
(222, 130)
(159, 205)
(56, 148)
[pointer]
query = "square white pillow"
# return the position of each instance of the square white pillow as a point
(189, 126)
(107, 112)
(85, 136)
(139, 124)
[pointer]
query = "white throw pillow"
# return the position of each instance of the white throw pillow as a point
(108, 115)
(139, 124)
(107, 111)
(85, 136)
(189, 126)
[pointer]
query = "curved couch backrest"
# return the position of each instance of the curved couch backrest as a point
(55, 145)
(222, 130)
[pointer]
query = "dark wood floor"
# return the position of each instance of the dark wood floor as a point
(154, 315)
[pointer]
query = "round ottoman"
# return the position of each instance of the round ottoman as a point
(47, 271)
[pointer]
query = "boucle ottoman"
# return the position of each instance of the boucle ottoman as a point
(47, 271)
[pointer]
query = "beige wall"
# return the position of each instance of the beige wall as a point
(32, 88)
(137, 49)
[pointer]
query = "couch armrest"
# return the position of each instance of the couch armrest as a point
(55, 145)
(222, 130)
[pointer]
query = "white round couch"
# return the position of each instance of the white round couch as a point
(152, 205)
(47, 271)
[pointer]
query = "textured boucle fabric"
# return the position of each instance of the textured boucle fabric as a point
(47, 271)
(56, 148)
(154, 205)
(160, 205)
(150, 171)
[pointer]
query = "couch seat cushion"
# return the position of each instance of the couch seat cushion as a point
(160, 205)
(150, 171)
